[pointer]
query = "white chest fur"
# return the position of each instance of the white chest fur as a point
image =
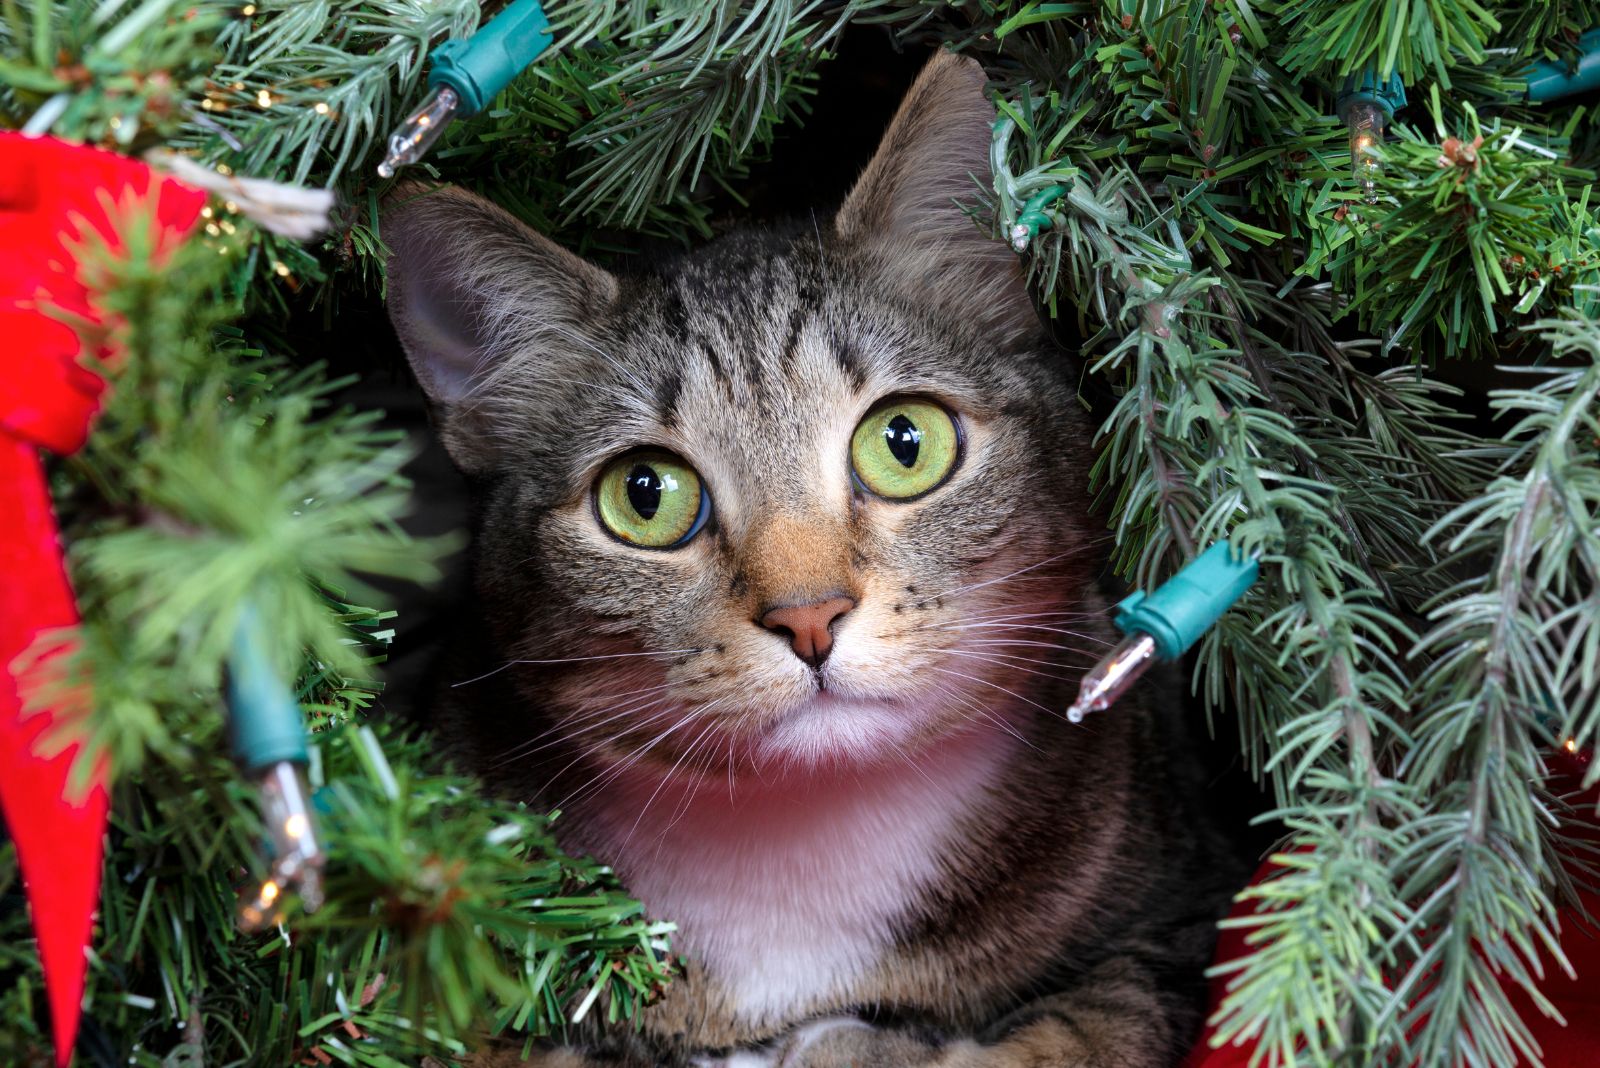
(787, 890)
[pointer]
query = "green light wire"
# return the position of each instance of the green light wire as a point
(1034, 215)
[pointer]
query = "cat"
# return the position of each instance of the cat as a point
(785, 571)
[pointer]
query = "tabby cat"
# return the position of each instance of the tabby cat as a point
(784, 573)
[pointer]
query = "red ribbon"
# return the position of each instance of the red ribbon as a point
(53, 196)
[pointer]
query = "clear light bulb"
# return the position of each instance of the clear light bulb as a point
(1165, 623)
(296, 857)
(412, 138)
(1111, 677)
(1366, 122)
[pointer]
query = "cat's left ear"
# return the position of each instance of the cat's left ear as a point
(909, 201)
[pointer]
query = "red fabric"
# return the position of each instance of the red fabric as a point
(1576, 1044)
(53, 195)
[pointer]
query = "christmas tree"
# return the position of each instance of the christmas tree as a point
(1290, 242)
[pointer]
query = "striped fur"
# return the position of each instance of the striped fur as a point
(908, 857)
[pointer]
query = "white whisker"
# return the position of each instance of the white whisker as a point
(989, 715)
(997, 686)
(666, 779)
(591, 750)
(695, 771)
(1002, 578)
(527, 748)
(1037, 626)
(1072, 650)
(1000, 660)
(1056, 614)
(1023, 643)
(573, 660)
(608, 774)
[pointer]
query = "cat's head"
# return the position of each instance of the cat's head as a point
(809, 496)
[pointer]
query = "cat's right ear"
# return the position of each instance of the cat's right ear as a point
(475, 295)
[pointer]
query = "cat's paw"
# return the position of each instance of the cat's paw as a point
(847, 1042)
(842, 1031)
(787, 1052)
(744, 1058)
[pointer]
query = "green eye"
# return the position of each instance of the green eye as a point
(651, 499)
(904, 448)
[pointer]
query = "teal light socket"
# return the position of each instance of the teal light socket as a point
(1185, 606)
(1552, 81)
(265, 724)
(1365, 88)
(478, 67)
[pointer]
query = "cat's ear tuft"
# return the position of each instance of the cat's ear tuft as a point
(909, 201)
(475, 296)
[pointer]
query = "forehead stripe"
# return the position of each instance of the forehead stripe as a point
(849, 360)
(797, 323)
(667, 391)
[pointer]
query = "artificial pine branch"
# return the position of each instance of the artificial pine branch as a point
(1550, 29)
(1482, 215)
(1512, 671)
(1415, 38)
(703, 82)
(99, 72)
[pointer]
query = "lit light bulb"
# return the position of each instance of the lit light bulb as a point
(412, 138)
(1366, 122)
(297, 858)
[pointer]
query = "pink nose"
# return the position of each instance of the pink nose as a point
(809, 626)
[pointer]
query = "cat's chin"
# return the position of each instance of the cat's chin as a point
(830, 729)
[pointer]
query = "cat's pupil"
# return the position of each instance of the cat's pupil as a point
(904, 439)
(644, 490)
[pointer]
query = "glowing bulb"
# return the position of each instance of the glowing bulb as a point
(1570, 745)
(296, 857)
(1366, 121)
(412, 138)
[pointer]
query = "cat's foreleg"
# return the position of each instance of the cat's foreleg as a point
(1116, 1017)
